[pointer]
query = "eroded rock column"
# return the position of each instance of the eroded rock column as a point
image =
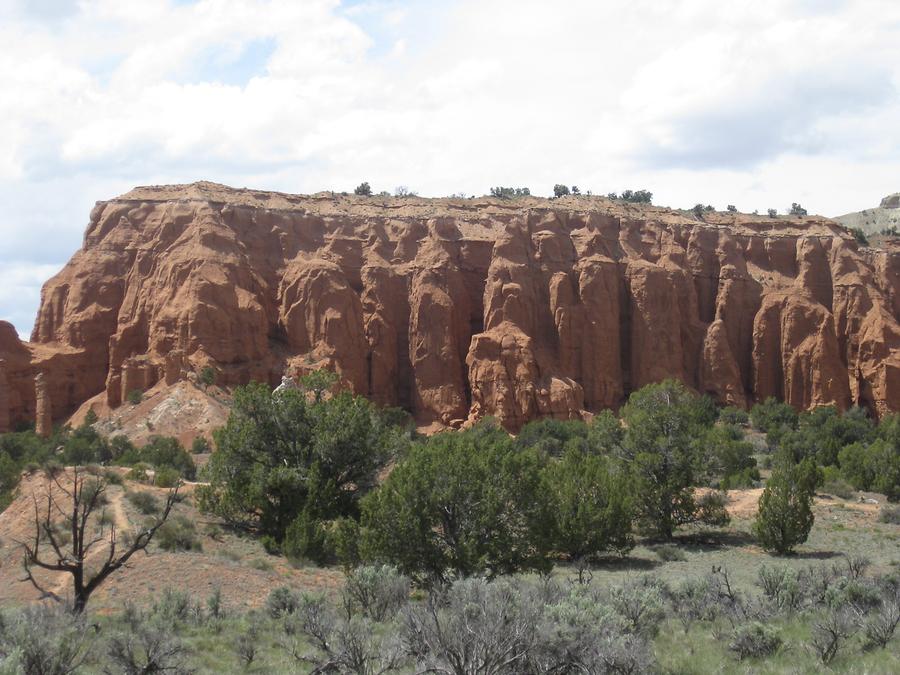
(43, 423)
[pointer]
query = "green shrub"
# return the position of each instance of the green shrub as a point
(742, 480)
(859, 236)
(173, 608)
(282, 602)
(178, 533)
(321, 457)
(553, 437)
(772, 414)
(113, 477)
(640, 604)
(145, 502)
(754, 640)
(875, 466)
(590, 505)
(139, 473)
(207, 376)
(377, 591)
(166, 477)
(306, 539)
(729, 457)
(889, 514)
(363, 189)
(344, 536)
(460, 503)
(661, 450)
(636, 196)
(52, 468)
(261, 564)
(733, 415)
(509, 192)
(160, 452)
(270, 544)
(135, 396)
(669, 553)
(200, 446)
(838, 488)
(785, 508)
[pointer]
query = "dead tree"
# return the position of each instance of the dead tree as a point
(80, 510)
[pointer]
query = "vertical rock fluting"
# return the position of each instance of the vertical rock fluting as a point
(5, 404)
(43, 422)
(458, 309)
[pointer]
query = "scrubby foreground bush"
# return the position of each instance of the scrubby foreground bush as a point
(830, 614)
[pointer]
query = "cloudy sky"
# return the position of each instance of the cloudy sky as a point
(757, 103)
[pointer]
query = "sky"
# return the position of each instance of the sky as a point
(754, 103)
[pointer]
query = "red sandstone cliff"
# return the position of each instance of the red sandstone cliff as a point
(457, 309)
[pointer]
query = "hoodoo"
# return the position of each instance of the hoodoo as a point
(462, 308)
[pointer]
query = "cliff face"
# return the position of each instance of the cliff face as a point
(458, 309)
(875, 220)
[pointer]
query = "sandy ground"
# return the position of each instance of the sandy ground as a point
(238, 566)
(183, 410)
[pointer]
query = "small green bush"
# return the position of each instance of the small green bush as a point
(378, 591)
(113, 477)
(166, 477)
(145, 502)
(135, 396)
(173, 607)
(200, 446)
(734, 415)
(785, 514)
(282, 601)
(889, 514)
(838, 488)
(178, 534)
(754, 640)
(270, 544)
(306, 539)
(771, 414)
(344, 541)
(139, 473)
(669, 553)
(208, 376)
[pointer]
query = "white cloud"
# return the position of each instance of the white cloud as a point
(753, 103)
(20, 292)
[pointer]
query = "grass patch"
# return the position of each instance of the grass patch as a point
(261, 564)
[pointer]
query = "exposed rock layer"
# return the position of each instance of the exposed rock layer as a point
(885, 217)
(459, 308)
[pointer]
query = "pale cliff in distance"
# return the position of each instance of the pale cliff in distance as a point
(873, 221)
(461, 308)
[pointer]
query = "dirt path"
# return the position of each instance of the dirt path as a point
(63, 582)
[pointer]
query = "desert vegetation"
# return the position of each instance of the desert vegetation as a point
(25, 451)
(571, 547)
(829, 615)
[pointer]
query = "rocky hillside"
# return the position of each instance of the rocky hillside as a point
(873, 221)
(460, 308)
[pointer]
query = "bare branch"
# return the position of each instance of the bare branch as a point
(71, 558)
